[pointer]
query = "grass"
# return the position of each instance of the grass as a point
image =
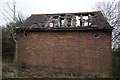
(8, 69)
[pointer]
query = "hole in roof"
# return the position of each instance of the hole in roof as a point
(78, 21)
(85, 17)
(90, 23)
(85, 23)
(62, 21)
(51, 24)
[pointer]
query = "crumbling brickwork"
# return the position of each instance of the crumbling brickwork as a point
(71, 52)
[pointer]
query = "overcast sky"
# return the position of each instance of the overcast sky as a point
(28, 7)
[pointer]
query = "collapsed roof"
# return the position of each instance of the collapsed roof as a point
(85, 20)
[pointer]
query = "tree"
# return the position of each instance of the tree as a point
(110, 12)
(9, 32)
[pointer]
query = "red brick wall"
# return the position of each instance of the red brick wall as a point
(77, 53)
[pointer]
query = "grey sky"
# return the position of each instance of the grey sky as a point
(28, 7)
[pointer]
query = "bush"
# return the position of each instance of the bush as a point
(8, 46)
(116, 63)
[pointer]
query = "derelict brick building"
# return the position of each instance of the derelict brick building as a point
(69, 43)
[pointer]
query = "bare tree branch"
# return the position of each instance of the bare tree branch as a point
(110, 11)
(7, 13)
(6, 17)
(10, 7)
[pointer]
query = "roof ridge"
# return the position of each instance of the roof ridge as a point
(68, 13)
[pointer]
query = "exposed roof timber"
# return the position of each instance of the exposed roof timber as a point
(59, 20)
